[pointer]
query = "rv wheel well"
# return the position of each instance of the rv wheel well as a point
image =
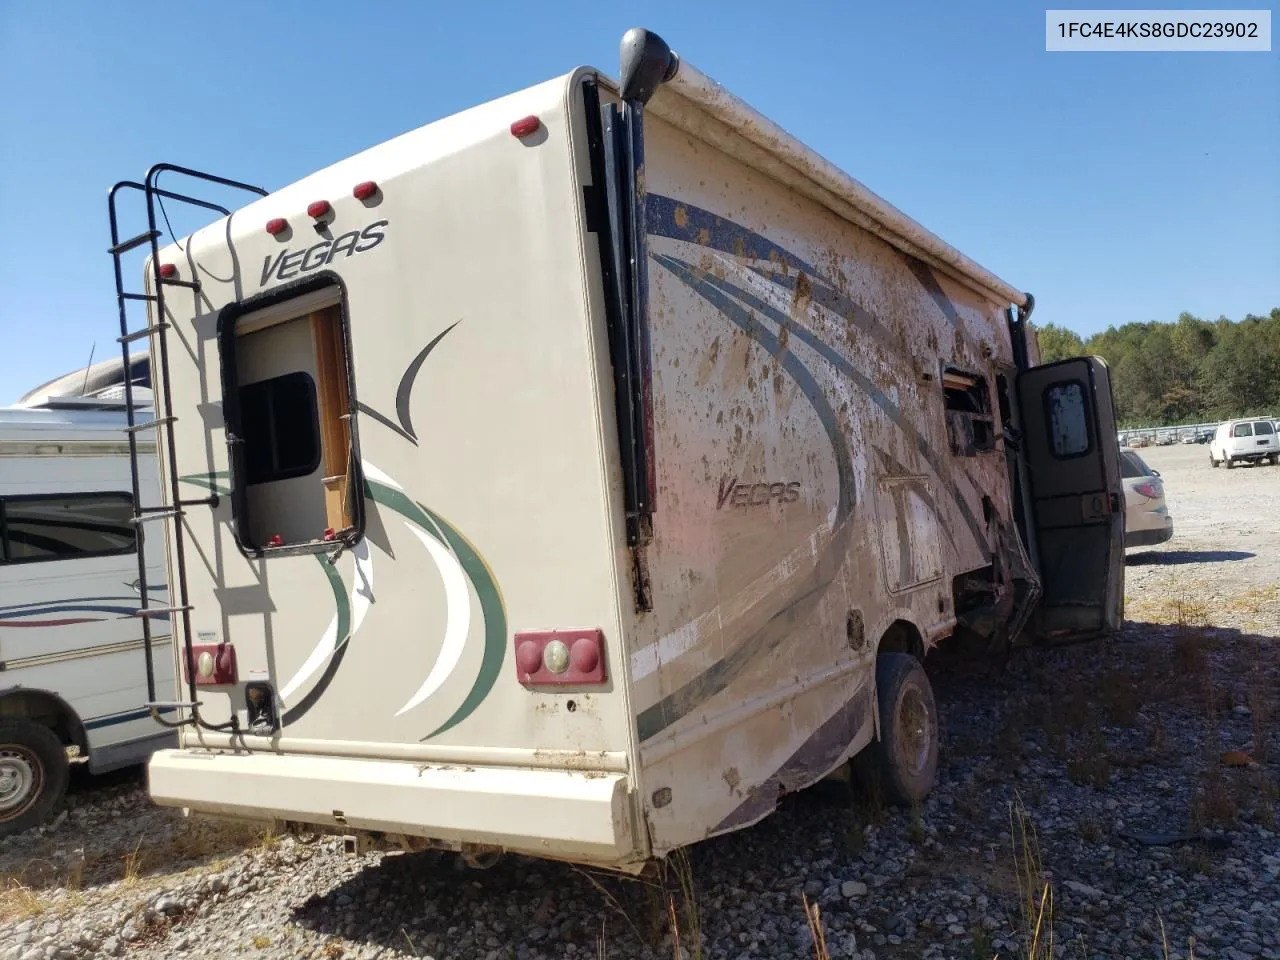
(902, 637)
(48, 709)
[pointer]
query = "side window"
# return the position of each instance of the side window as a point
(970, 424)
(66, 527)
(1262, 429)
(1243, 430)
(1067, 413)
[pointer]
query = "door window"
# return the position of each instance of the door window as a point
(1066, 409)
(1243, 430)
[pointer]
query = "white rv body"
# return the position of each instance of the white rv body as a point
(794, 497)
(71, 649)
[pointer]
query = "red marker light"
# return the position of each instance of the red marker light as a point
(167, 271)
(329, 534)
(363, 191)
(276, 540)
(525, 127)
(318, 209)
(276, 226)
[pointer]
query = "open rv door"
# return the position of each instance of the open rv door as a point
(1073, 467)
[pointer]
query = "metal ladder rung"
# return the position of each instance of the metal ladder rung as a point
(144, 332)
(126, 245)
(157, 611)
(156, 513)
(150, 424)
(137, 296)
(191, 284)
(173, 704)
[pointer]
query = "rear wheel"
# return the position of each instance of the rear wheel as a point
(903, 763)
(1212, 462)
(1274, 458)
(33, 774)
(1226, 458)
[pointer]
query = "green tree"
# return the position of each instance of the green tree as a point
(1058, 343)
(1189, 370)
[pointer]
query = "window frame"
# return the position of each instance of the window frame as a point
(123, 495)
(984, 384)
(1088, 420)
(231, 414)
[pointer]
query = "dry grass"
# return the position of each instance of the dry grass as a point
(681, 870)
(814, 917)
(133, 865)
(1035, 899)
(18, 901)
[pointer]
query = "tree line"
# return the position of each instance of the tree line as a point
(1189, 371)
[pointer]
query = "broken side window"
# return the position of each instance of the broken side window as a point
(293, 472)
(970, 424)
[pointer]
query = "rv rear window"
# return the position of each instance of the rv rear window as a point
(1243, 430)
(66, 527)
(970, 424)
(286, 372)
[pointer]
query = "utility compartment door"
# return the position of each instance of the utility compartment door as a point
(1073, 466)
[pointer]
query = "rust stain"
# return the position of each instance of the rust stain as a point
(704, 236)
(682, 217)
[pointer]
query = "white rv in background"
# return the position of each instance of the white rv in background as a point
(72, 679)
(595, 466)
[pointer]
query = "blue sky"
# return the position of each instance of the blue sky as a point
(1115, 187)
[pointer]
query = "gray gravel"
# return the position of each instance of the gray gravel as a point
(1092, 751)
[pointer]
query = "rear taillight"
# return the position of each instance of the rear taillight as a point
(214, 664)
(1148, 488)
(560, 657)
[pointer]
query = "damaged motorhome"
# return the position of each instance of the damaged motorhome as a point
(576, 474)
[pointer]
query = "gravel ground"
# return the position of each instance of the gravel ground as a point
(1136, 781)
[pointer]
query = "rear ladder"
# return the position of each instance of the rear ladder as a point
(163, 419)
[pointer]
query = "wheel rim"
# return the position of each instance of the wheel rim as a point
(21, 777)
(914, 739)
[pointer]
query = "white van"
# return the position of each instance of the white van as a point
(1250, 441)
(72, 677)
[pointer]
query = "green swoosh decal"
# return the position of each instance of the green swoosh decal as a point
(482, 580)
(473, 565)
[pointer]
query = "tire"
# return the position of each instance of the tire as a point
(1212, 462)
(33, 774)
(903, 763)
(1226, 458)
(1274, 458)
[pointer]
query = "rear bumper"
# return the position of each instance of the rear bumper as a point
(1148, 538)
(549, 813)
